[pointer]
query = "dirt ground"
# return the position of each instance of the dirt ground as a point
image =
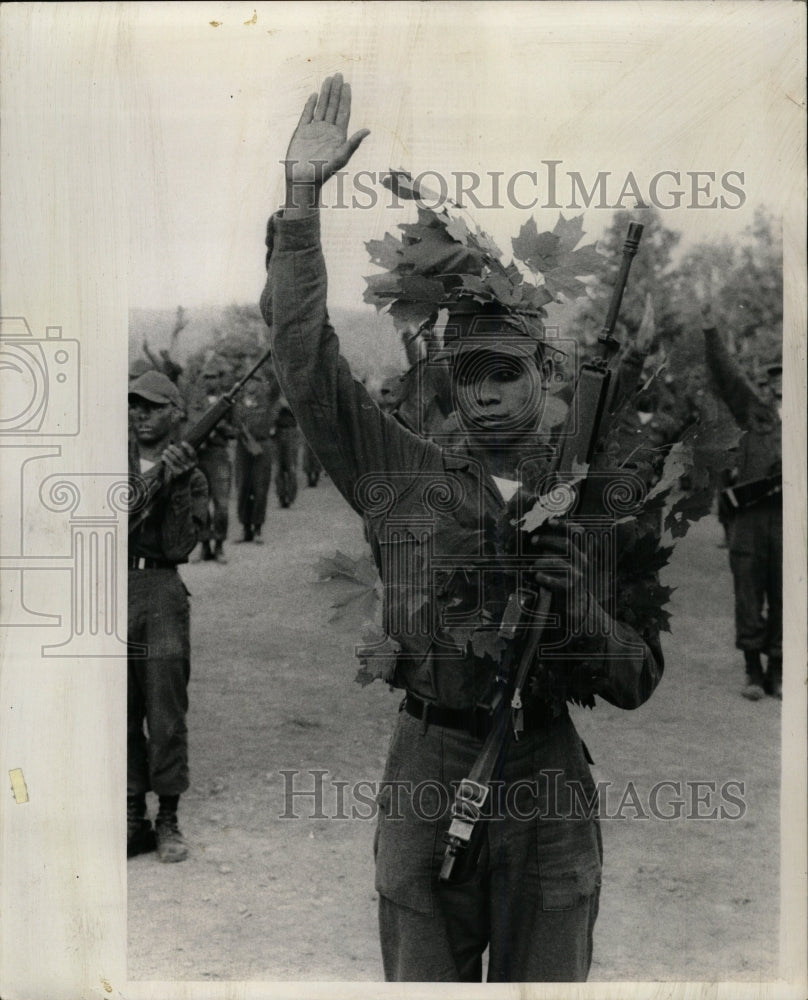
(267, 898)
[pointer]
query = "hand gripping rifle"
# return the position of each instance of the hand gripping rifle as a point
(595, 398)
(201, 430)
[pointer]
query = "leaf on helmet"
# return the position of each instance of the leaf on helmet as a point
(458, 230)
(402, 184)
(538, 251)
(386, 252)
(406, 314)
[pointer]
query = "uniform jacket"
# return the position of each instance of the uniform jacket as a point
(171, 530)
(760, 451)
(436, 521)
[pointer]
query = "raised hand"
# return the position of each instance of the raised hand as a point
(320, 145)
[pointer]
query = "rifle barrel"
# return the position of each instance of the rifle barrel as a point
(630, 248)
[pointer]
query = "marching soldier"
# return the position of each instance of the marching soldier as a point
(214, 460)
(755, 523)
(255, 425)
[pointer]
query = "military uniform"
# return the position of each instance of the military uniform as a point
(286, 437)
(437, 524)
(254, 423)
(217, 467)
(159, 636)
(755, 532)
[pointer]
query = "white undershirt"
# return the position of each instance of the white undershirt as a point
(507, 487)
(146, 464)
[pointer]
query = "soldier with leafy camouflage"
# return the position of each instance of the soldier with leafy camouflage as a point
(442, 528)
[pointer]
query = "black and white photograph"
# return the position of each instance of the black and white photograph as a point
(402, 547)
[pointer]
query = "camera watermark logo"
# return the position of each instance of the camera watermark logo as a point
(40, 395)
(39, 381)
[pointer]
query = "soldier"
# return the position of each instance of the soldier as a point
(159, 617)
(534, 897)
(214, 459)
(254, 420)
(755, 525)
(286, 436)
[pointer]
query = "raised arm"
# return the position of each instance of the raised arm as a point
(730, 383)
(345, 428)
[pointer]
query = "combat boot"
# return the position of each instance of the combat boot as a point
(753, 690)
(218, 552)
(140, 838)
(207, 553)
(171, 845)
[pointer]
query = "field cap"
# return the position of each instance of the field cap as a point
(156, 388)
(491, 328)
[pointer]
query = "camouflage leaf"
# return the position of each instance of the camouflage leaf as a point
(502, 288)
(586, 261)
(485, 243)
(402, 184)
(539, 252)
(687, 509)
(378, 655)
(678, 463)
(485, 642)
(476, 288)
(458, 230)
(381, 288)
(569, 232)
(562, 281)
(385, 253)
(360, 604)
(419, 289)
(361, 570)
(406, 314)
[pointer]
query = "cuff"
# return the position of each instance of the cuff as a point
(293, 234)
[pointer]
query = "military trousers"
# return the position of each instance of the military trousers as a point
(157, 683)
(756, 560)
(218, 470)
(532, 900)
(253, 476)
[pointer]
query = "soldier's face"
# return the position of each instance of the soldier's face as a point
(151, 422)
(497, 393)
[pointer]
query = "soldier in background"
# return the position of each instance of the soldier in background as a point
(254, 420)
(756, 523)
(214, 457)
(287, 445)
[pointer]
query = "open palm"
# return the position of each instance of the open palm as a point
(320, 145)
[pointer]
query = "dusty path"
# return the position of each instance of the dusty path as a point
(266, 898)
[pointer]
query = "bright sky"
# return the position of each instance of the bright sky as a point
(640, 88)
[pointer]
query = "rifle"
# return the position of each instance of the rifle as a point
(155, 479)
(594, 401)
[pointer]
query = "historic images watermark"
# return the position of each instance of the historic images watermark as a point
(316, 795)
(548, 185)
